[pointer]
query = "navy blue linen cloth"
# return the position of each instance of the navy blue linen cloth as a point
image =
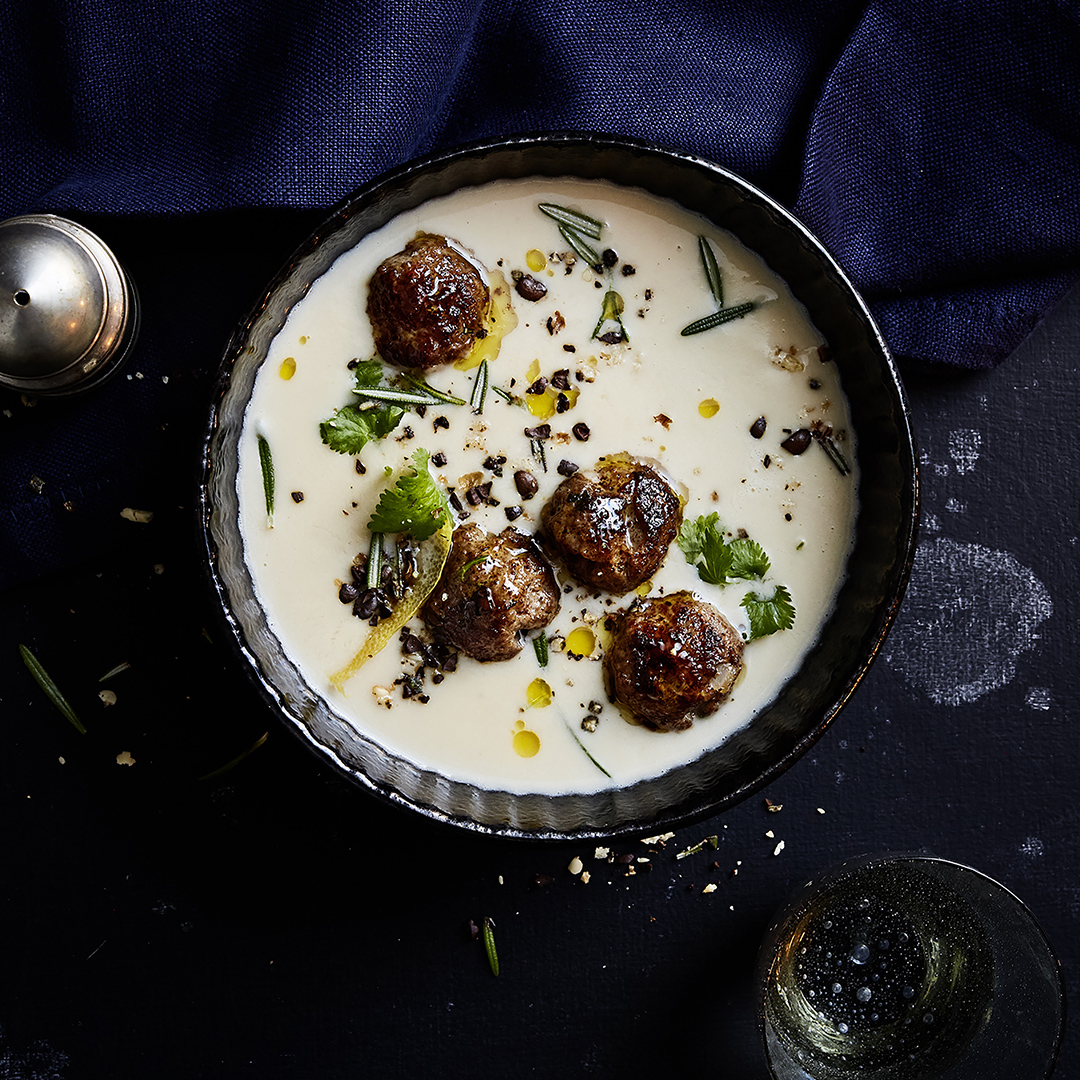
(933, 148)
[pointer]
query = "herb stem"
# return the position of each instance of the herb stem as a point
(580, 248)
(239, 757)
(404, 397)
(438, 395)
(833, 452)
(585, 751)
(266, 463)
(718, 318)
(52, 691)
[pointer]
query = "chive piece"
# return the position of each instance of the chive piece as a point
(540, 647)
(122, 666)
(52, 691)
(480, 388)
(586, 752)
(471, 563)
(489, 944)
(239, 757)
(577, 242)
(401, 397)
(374, 561)
(266, 462)
(712, 271)
(718, 318)
(438, 395)
(573, 219)
(833, 452)
(504, 394)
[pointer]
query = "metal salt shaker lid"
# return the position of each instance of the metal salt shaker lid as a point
(68, 311)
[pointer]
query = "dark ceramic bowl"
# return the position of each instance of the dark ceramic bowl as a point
(885, 530)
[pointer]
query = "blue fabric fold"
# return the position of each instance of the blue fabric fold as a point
(934, 149)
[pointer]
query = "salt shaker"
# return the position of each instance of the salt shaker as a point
(68, 311)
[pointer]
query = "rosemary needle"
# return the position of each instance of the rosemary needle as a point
(718, 318)
(52, 691)
(712, 271)
(266, 463)
(480, 388)
(573, 219)
(540, 647)
(488, 933)
(239, 757)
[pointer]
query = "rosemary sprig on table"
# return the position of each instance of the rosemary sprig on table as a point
(585, 750)
(52, 691)
(488, 934)
(236, 760)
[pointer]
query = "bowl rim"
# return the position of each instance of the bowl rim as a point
(563, 143)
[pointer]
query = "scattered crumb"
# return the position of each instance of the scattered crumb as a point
(601, 853)
(576, 866)
(108, 697)
(382, 696)
(661, 838)
(820, 811)
(124, 758)
(62, 761)
(142, 516)
(779, 847)
(769, 833)
(709, 888)
(585, 877)
(500, 879)
(159, 568)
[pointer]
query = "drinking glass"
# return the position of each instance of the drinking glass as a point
(908, 967)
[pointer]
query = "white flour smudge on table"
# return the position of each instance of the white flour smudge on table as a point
(969, 613)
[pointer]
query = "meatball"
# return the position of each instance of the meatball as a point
(427, 304)
(492, 587)
(672, 658)
(612, 528)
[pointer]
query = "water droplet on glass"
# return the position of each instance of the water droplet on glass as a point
(928, 1018)
(860, 953)
(863, 994)
(837, 988)
(908, 992)
(842, 1028)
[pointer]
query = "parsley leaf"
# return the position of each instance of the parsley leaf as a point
(767, 614)
(351, 428)
(748, 559)
(414, 505)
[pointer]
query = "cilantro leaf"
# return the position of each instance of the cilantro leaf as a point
(703, 545)
(367, 373)
(748, 559)
(767, 614)
(351, 428)
(414, 505)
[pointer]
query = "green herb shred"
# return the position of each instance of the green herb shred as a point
(52, 691)
(266, 463)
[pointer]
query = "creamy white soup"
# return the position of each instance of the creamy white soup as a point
(686, 402)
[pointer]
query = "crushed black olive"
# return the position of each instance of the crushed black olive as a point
(561, 379)
(569, 348)
(439, 422)
(538, 387)
(562, 403)
(567, 468)
(297, 496)
(541, 431)
(513, 513)
(797, 441)
(438, 460)
(527, 485)
(495, 464)
(348, 592)
(612, 337)
(361, 468)
(628, 270)
(757, 428)
(609, 257)
(581, 431)
(528, 288)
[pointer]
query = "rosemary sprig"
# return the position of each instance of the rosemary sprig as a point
(239, 757)
(574, 219)
(833, 452)
(488, 934)
(718, 318)
(712, 270)
(266, 463)
(585, 750)
(424, 387)
(540, 647)
(479, 388)
(52, 691)
(403, 397)
(122, 666)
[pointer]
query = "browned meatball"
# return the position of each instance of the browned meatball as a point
(672, 658)
(426, 304)
(491, 588)
(612, 528)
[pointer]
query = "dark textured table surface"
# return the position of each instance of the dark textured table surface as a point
(273, 921)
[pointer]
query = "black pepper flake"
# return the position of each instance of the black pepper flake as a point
(787, 517)
(439, 422)
(297, 496)
(569, 348)
(562, 403)
(815, 384)
(648, 294)
(555, 323)
(766, 460)
(353, 363)
(361, 468)
(495, 464)
(513, 513)
(628, 270)
(538, 387)
(612, 337)
(406, 434)
(609, 257)
(541, 431)
(567, 468)
(438, 460)
(561, 379)
(421, 411)
(581, 431)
